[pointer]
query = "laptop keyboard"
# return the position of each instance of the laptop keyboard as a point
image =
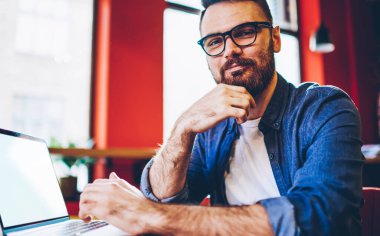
(70, 228)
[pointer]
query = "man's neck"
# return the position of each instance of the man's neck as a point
(263, 100)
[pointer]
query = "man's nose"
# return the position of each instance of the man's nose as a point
(231, 48)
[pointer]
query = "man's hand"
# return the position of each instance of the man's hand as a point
(167, 175)
(117, 202)
(220, 103)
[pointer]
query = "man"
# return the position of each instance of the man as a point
(285, 160)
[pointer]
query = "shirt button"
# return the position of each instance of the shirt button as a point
(271, 156)
(276, 125)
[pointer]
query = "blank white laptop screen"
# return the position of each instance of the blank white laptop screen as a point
(29, 188)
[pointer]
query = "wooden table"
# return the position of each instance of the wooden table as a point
(125, 153)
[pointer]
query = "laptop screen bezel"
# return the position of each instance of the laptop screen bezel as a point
(37, 223)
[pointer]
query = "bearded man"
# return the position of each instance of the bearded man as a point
(274, 158)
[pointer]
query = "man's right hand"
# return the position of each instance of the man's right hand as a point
(167, 175)
(220, 103)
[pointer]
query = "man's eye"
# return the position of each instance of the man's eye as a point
(244, 33)
(214, 42)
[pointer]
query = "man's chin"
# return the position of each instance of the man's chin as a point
(237, 80)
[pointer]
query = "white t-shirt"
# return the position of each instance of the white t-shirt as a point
(251, 177)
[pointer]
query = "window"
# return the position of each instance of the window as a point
(45, 68)
(284, 14)
(186, 75)
(288, 59)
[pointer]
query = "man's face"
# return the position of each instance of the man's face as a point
(249, 66)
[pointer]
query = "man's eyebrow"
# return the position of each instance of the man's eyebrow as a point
(216, 33)
(212, 34)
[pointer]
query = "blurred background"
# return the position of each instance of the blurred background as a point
(106, 79)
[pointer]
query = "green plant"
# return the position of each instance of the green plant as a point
(68, 160)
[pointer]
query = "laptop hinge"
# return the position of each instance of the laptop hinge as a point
(35, 225)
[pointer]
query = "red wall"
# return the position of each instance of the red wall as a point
(136, 74)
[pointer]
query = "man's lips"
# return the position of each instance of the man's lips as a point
(235, 68)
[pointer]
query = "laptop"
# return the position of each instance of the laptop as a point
(31, 202)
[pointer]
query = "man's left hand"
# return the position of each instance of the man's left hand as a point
(117, 202)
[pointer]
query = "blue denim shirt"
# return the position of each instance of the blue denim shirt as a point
(312, 135)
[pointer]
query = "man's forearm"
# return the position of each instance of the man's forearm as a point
(167, 175)
(188, 220)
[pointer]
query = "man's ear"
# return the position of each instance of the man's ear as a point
(276, 37)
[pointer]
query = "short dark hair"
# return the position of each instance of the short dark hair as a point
(262, 3)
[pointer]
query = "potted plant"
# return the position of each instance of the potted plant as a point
(68, 170)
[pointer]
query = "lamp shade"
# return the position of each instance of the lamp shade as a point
(320, 41)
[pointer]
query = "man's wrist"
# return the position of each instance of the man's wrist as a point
(180, 142)
(154, 218)
(182, 129)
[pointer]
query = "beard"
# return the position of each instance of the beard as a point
(254, 77)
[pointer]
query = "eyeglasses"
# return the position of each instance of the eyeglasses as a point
(242, 35)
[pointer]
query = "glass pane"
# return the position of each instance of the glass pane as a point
(186, 75)
(45, 67)
(288, 60)
(284, 13)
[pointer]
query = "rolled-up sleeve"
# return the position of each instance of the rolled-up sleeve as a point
(281, 215)
(146, 188)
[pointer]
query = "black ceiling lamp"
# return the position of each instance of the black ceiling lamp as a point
(320, 41)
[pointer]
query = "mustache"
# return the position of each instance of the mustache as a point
(237, 61)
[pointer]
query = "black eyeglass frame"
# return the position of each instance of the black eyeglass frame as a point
(256, 24)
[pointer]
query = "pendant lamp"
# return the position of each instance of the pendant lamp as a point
(320, 41)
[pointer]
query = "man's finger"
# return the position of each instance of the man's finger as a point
(87, 219)
(238, 113)
(236, 88)
(86, 198)
(122, 182)
(94, 196)
(84, 213)
(95, 186)
(243, 103)
(113, 175)
(252, 101)
(242, 93)
(100, 181)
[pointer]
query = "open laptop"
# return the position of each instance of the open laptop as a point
(31, 202)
